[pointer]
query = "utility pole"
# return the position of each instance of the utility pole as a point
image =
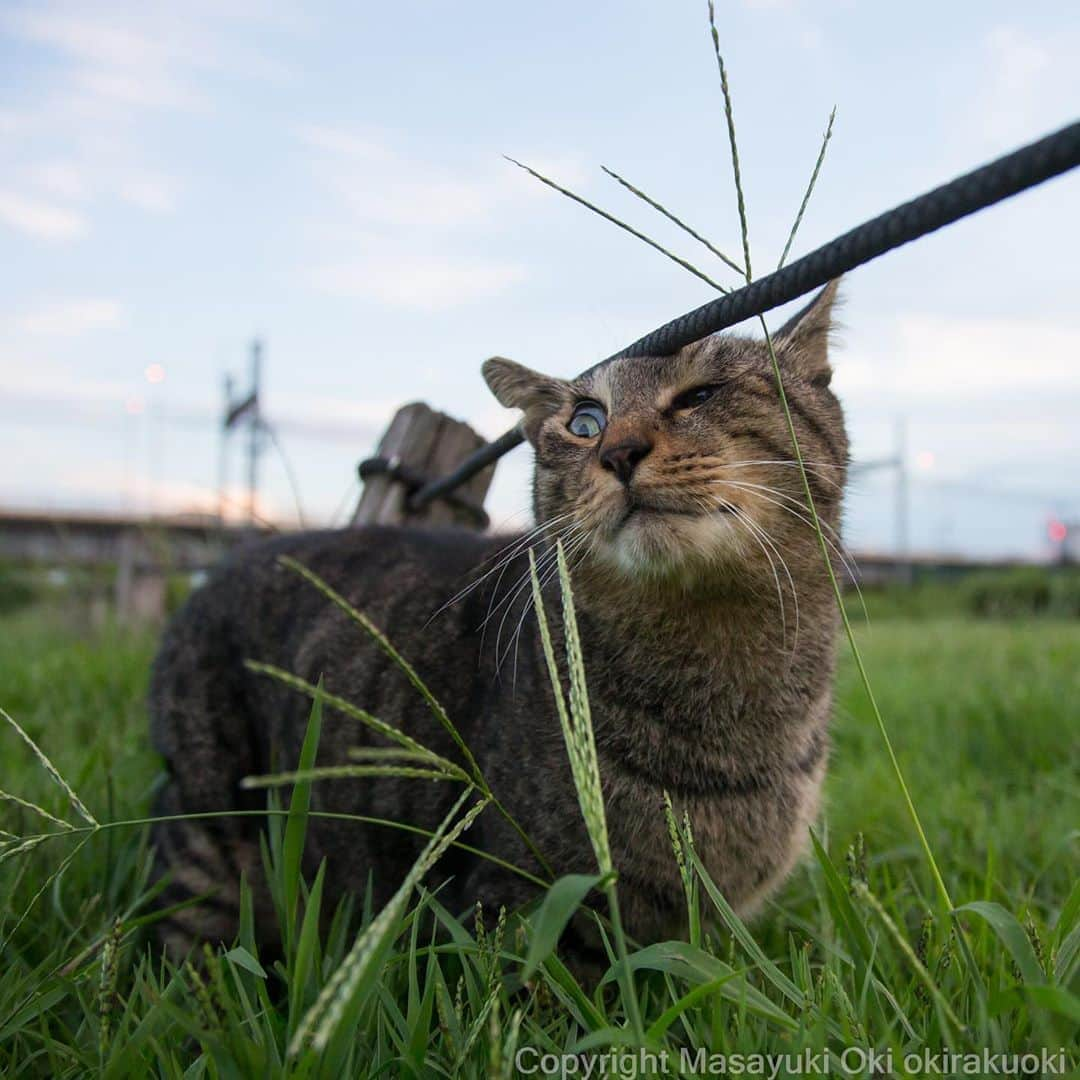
(903, 541)
(254, 429)
(243, 411)
(223, 455)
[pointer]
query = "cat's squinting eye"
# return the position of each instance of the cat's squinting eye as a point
(691, 399)
(588, 420)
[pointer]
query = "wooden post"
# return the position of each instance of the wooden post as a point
(141, 580)
(419, 445)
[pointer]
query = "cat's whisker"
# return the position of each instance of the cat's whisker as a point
(748, 525)
(518, 548)
(716, 460)
(515, 640)
(811, 467)
(504, 555)
(506, 601)
(709, 504)
(544, 563)
(502, 523)
(518, 542)
(547, 559)
(787, 572)
(493, 607)
(838, 548)
(572, 538)
(786, 461)
(762, 533)
(791, 500)
(523, 582)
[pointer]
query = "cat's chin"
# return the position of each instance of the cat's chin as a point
(654, 544)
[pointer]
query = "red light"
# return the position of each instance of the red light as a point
(1058, 531)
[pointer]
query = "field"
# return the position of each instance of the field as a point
(855, 952)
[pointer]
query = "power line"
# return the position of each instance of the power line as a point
(61, 411)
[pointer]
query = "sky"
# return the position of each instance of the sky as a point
(178, 179)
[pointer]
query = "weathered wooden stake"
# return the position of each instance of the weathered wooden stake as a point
(141, 585)
(418, 445)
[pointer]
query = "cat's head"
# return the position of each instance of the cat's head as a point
(662, 466)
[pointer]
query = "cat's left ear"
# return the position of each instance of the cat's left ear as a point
(803, 341)
(519, 387)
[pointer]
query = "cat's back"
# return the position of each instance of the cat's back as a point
(216, 719)
(268, 603)
(265, 599)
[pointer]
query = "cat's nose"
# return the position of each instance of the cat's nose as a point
(623, 458)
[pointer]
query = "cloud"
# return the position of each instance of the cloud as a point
(73, 317)
(377, 184)
(112, 61)
(120, 486)
(419, 282)
(36, 378)
(1018, 57)
(964, 360)
(367, 412)
(63, 179)
(408, 209)
(12, 121)
(105, 68)
(134, 56)
(84, 38)
(41, 219)
(154, 194)
(1030, 82)
(344, 143)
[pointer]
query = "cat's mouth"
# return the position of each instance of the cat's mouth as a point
(636, 507)
(659, 533)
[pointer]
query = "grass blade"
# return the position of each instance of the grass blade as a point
(584, 766)
(6, 796)
(387, 647)
(52, 770)
(809, 190)
(622, 225)
(729, 115)
(340, 772)
(704, 241)
(1011, 934)
(432, 702)
(351, 710)
(555, 911)
(355, 976)
(297, 821)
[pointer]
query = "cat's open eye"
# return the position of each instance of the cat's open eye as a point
(691, 399)
(587, 420)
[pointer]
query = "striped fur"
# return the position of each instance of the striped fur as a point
(709, 632)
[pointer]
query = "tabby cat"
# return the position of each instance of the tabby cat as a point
(708, 626)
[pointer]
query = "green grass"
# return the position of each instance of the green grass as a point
(977, 808)
(853, 951)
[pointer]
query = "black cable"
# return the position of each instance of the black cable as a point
(413, 480)
(470, 466)
(1009, 175)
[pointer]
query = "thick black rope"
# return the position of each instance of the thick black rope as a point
(1009, 175)
(413, 480)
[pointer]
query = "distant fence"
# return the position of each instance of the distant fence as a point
(71, 539)
(130, 559)
(140, 548)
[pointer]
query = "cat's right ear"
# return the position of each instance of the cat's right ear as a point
(519, 387)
